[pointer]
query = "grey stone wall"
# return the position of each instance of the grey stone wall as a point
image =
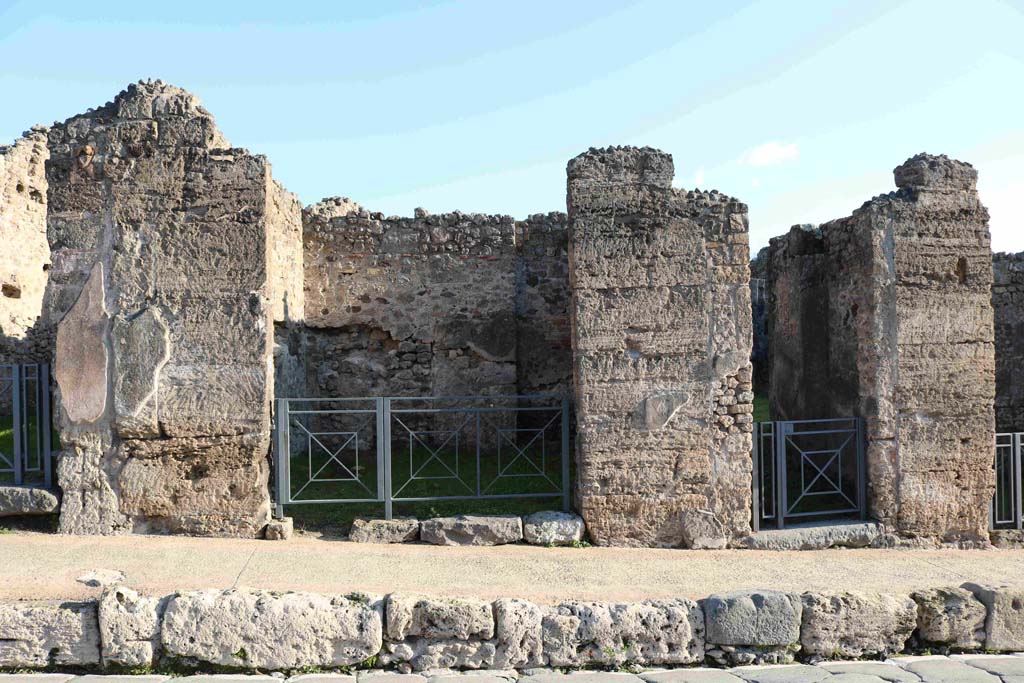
(446, 305)
(26, 260)
(171, 262)
(661, 353)
(1008, 310)
(886, 315)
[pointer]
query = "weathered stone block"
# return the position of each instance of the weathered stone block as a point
(748, 627)
(438, 618)
(400, 530)
(518, 630)
(472, 530)
(950, 616)
(849, 625)
(27, 500)
(279, 529)
(39, 634)
(1004, 621)
(580, 634)
(260, 629)
(553, 528)
(129, 627)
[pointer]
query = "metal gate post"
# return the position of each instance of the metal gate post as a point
(386, 416)
(755, 481)
(1018, 442)
(283, 456)
(16, 426)
(862, 471)
(566, 484)
(781, 430)
(47, 427)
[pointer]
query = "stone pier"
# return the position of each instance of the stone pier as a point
(661, 349)
(169, 249)
(886, 315)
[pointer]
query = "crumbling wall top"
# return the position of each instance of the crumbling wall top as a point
(644, 165)
(931, 172)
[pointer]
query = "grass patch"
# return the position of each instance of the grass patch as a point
(761, 411)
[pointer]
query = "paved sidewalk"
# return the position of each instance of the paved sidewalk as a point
(956, 669)
(35, 565)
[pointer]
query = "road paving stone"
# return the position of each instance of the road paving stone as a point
(689, 676)
(945, 670)
(785, 673)
(890, 673)
(35, 678)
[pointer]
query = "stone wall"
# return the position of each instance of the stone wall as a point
(886, 315)
(445, 305)
(244, 629)
(661, 353)
(173, 255)
(1008, 308)
(26, 260)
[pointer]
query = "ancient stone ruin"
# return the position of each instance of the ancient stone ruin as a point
(177, 289)
(661, 353)
(173, 255)
(886, 315)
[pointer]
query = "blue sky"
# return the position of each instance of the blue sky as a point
(801, 109)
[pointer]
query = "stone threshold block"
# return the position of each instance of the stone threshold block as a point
(816, 537)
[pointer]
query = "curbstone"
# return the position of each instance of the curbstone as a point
(254, 629)
(39, 634)
(279, 529)
(752, 627)
(129, 627)
(951, 617)
(581, 634)
(852, 625)
(1004, 620)
(438, 618)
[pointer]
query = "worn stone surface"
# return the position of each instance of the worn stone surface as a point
(23, 270)
(83, 353)
(472, 530)
(279, 529)
(261, 629)
(1004, 620)
(398, 530)
(40, 634)
(789, 673)
(1001, 665)
(880, 670)
(1008, 315)
(662, 331)
(100, 578)
(689, 676)
(518, 629)
(816, 537)
(748, 627)
(851, 625)
(580, 634)
(129, 627)
(27, 500)
(950, 616)
(459, 618)
(944, 670)
(186, 239)
(870, 315)
(553, 528)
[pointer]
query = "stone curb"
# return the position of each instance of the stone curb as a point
(258, 630)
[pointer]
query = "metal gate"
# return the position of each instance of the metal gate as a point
(393, 450)
(1006, 503)
(808, 470)
(25, 431)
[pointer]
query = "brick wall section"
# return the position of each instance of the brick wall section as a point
(661, 347)
(892, 306)
(1008, 308)
(165, 289)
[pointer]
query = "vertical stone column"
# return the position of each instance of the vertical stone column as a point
(163, 284)
(886, 314)
(661, 346)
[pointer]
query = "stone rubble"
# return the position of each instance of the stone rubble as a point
(27, 500)
(553, 528)
(472, 530)
(398, 530)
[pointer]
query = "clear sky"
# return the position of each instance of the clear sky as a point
(801, 109)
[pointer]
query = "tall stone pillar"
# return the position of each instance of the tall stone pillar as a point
(661, 353)
(887, 315)
(164, 292)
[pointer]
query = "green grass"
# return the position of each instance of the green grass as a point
(761, 412)
(337, 517)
